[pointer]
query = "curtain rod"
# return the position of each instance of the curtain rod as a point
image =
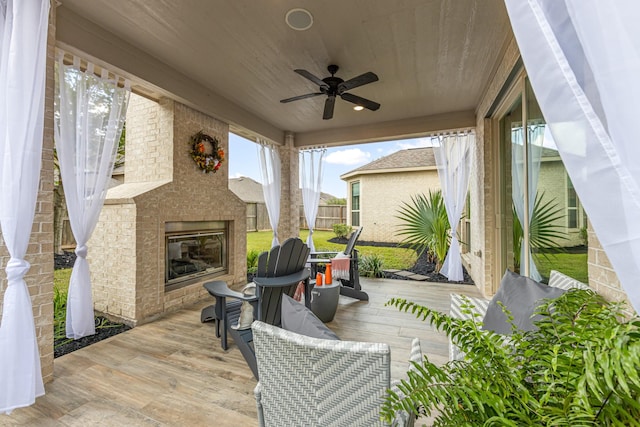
(89, 67)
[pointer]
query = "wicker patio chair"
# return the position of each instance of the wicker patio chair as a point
(351, 284)
(316, 382)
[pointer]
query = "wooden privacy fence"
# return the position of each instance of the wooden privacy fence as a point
(258, 218)
(327, 216)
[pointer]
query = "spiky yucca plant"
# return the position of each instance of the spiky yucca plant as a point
(371, 266)
(579, 368)
(425, 225)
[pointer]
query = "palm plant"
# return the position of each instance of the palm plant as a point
(426, 225)
(544, 229)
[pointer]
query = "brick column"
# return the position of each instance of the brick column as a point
(39, 254)
(289, 225)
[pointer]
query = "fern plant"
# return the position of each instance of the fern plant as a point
(579, 368)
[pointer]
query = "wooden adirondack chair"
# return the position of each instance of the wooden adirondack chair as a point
(351, 287)
(279, 272)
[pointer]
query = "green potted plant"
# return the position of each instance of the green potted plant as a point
(578, 368)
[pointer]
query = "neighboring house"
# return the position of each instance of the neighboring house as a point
(247, 189)
(555, 184)
(377, 190)
(250, 191)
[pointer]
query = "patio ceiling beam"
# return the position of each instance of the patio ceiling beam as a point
(414, 127)
(153, 77)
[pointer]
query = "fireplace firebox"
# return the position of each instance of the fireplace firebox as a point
(194, 249)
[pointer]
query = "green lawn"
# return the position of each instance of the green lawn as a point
(571, 264)
(61, 279)
(397, 258)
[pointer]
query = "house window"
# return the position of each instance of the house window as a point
(355, 204)
(572, 205)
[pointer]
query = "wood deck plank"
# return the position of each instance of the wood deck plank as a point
(173, 372)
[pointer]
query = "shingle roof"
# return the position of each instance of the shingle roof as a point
(404, 159)
(250, 191)
(247, 189)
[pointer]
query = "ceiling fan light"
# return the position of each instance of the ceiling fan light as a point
(299, 19)
(358, 108)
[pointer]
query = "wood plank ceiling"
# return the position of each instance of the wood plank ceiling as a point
(434, 58)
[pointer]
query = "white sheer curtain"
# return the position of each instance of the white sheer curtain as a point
(583, 60)
(311, 161)
(534, 155)
(453, 157)
(271, 171)
(23, 46)
(89, 114)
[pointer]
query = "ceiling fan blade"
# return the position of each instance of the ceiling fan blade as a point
(362, 79)
(308, 75)
(369, 105)
(328, 107)
(295, 98)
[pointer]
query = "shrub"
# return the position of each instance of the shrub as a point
(371, 266)
(342, 230)
(580, 367)
(252, 261)
(584, 236)
(337, 201)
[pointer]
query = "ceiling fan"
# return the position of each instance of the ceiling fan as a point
(335, 86)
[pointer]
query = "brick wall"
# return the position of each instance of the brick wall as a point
(602, 278)
(381, 197)
(290, 200)
(39, 278)
(127, 249)
(483, 257)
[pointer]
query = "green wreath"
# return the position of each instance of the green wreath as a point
(206, 152)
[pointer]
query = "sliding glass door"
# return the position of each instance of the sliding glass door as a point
(542, 223)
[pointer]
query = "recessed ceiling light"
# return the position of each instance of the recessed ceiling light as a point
(358, 108)
(299, 19)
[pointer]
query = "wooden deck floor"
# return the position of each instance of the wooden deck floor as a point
(172, 372)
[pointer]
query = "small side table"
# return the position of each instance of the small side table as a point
(324, 301)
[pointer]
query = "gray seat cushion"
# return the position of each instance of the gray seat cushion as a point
(521, 296)
(299, 319)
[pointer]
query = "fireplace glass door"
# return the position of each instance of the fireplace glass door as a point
(194, 254)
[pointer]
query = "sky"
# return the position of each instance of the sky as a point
(243, 159)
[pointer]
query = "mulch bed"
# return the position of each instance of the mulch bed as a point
(104, 327)
(422, 266)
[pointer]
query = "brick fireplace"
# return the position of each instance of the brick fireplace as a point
(169, 227)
